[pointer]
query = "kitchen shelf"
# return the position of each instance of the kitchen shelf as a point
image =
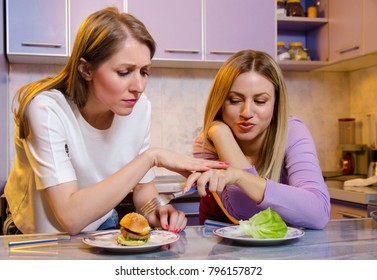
(299, 23)
(289, 65)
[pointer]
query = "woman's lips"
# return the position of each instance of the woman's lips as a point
(245, 126)
(130, 101)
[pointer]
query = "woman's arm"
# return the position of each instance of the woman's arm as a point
(93, 202)
(226, 146)
(301, 198)
(166, 216)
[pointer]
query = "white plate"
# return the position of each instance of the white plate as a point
(236, 234)
(108, 241)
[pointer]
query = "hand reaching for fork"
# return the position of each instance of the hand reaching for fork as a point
(168, 218)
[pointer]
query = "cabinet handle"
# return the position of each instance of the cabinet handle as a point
(349, 215)
(181, 51)
(190, 214)
(45, 45)
(222, 52)
(348, 49)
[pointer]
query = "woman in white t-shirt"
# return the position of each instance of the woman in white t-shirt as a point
(83, 136)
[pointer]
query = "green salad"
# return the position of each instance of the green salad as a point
(265, 224)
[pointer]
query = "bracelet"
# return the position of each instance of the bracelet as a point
(151, 205)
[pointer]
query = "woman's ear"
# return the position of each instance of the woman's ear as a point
(84, 69)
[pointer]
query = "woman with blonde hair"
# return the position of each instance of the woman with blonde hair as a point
(82, 137)
(272, 157)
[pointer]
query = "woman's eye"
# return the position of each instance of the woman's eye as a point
(260, 102)
(234, 100)
(123, 73)
(145, 73)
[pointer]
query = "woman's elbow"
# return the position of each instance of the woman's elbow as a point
(319, 221)
(70, 225)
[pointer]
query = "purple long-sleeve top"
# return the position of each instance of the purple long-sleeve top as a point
(301, 197)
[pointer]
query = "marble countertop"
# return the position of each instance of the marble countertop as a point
(354, 239)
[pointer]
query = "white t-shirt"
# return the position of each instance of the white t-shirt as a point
(63, 147)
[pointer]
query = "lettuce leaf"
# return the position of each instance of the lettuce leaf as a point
(265, 224)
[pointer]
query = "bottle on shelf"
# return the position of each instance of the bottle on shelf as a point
(280, 8)
(282, 52)
(294, 8)
(297, 52)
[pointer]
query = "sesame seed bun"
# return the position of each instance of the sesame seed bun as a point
(135, 223)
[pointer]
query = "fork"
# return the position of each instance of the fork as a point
(163, 199)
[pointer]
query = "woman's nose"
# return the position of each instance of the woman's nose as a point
(247, 110)
(137, 83)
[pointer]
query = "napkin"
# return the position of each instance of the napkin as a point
(368, 185)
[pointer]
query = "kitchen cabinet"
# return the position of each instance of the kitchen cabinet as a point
(206, 30)
(352, 28)
(370, 24)
(79, 10)
(345, 33)
(313, 33)
(347, 210)
(352, 40)
(231, 26)
(36, 30)
(176, 26)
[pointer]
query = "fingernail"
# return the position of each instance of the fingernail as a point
(166, 226)
(224, 163)
(209, 167)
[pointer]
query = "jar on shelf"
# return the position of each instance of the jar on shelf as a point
(282, 52)
(297, 52)
(294, 8)
(280, 8)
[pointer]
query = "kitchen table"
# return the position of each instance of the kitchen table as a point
(354, 239)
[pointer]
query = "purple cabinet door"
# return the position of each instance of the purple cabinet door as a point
(37, 27)
(233, 25)
(79, 10)
(176, 26)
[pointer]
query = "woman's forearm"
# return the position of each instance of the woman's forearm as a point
(226, 146)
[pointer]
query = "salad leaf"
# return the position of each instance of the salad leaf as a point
(265, 224)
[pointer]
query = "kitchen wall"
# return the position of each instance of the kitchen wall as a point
(178, 98)
(363, 97)
(3, 108)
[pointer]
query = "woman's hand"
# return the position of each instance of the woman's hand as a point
(216, 179)
(168, 218)
(182, 164)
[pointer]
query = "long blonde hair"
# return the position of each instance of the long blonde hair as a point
(272, 153)
(98, 38)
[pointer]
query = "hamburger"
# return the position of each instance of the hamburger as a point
(135, 230)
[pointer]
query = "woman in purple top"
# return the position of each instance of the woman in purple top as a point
(273, 159)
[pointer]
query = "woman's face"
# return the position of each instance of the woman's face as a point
(117, 84)
(249, 107)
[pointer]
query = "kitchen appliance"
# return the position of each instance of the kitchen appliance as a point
(354, 159)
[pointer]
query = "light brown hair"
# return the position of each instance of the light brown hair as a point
(271, 156)
(99, 37)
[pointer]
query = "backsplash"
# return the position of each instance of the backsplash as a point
(178, 97)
